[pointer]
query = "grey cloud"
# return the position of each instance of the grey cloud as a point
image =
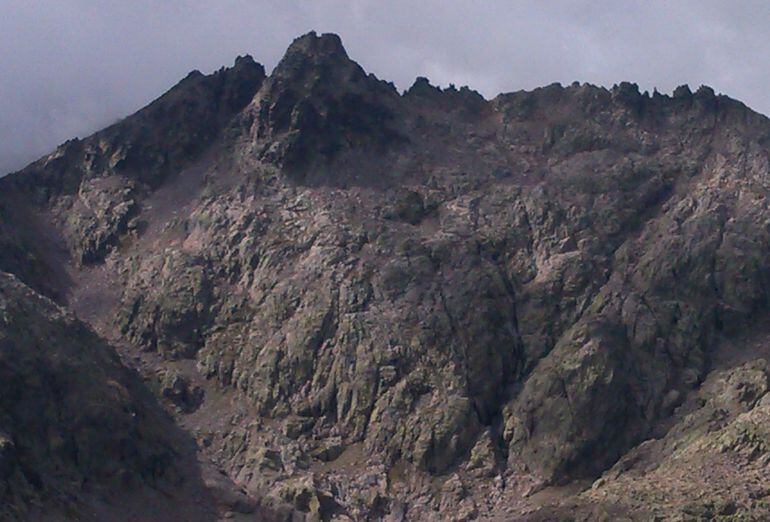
(69, 67)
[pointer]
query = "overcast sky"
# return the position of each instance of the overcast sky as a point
(70, 67)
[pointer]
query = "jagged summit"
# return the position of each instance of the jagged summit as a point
(311, 44)
(317, 86)
(323, 56)
(317, 103)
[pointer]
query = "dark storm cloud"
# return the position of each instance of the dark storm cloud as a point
(69, 67)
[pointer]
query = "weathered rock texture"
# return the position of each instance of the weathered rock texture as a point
(424, 305)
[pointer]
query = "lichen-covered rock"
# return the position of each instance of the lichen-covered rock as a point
(99, 216)
(174, 299)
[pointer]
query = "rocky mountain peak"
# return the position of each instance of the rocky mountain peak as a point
(318, 102)
(324, 47)
(422, 87)
(428, 306)
(312, 62)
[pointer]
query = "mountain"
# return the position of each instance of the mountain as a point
(354, 303)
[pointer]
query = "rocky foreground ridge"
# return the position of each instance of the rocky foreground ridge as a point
(356, 303)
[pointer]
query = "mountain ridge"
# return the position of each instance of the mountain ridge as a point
(627, 88)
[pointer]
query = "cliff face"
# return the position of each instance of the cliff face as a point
(371, 304)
